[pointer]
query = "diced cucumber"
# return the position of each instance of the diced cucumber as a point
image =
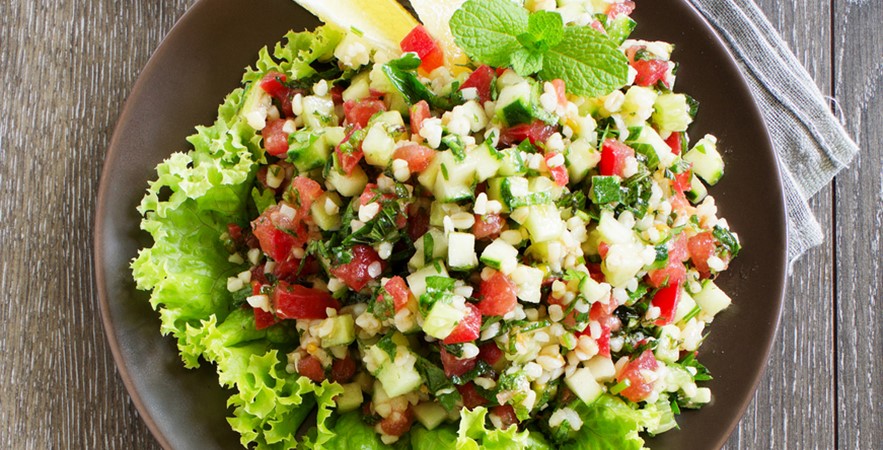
(455, 180)
(622, 263)
(638, 105)
(439, 210)
(711, 299)
(620, 28)
(580, 158)
(461, 251)
(697, 191)
(308, 149)
(667, 344)
(528, 283)
(430, 414)
(343, 331)
(348, 185)
(486, 160)
(378, 145)
(325, 220)
(443, 317)
(350, 399)
(544, 187)
(605, 190)
(500, 254)
(602, 368)
(685, 305)
(257, 104)
(378, 356)
(318, 112)
(392, 119)
(672, 112)
(612, 231)
(399, 379)
(544, 223)
(439, 248)
(358, 89)
(334, 136)
(514, 104)
(707, 162)
(417, 280)
(583, 385)
(650, 137)
(593, 291)
(512, 163)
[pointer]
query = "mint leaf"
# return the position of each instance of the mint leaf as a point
(526, 62)
(488, 30)
(588, 62)
(544, 30)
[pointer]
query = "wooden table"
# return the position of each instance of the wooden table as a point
(67, 66)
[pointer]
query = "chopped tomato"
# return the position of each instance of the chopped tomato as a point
(674, 143)
(649, 72)
(420, 42)
(337, 94)
(360, 112)
(488, 226)
(559, 173)
(603, 248)
(666, 299)
(595, 269)
(560, 91)
(682, 180)
(309, 366)
(677, 248)
(497, 295)
(489, 352)
(418, 156)
(287, 269)
(263, 319)
(371, 194)
(616, 9)
(454, 366)
(506, 413)
(481, 79)
(604, 341)
(398, 423)
(349, 151)
(235, 231)
(277, 234)
(398, 289)
(275, 139)
(536, 131)
(639, 387)
(343, 370)
(613, 157)
(470, 395)
(258, 279)
(355, 273)
(293, 301)
(273, 83)
(306, 191)
(468, 329)
(419, 113)
(673, 273)
(701, 247)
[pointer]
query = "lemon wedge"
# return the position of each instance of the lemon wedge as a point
(436, 17)
(383, 23)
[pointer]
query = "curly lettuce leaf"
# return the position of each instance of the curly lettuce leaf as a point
(296, 56)
(611, 424)
(350, 433)
(186, 210)
(473, 434)
(441, 438)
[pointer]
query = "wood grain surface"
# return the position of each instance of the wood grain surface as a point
(67, 66)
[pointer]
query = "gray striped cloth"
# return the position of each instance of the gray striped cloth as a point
(810, 142)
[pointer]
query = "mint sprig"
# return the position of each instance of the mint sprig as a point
(500, 33)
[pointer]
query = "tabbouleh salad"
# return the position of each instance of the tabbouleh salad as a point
(512, 250)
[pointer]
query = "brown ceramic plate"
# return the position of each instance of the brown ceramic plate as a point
(202, 59)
